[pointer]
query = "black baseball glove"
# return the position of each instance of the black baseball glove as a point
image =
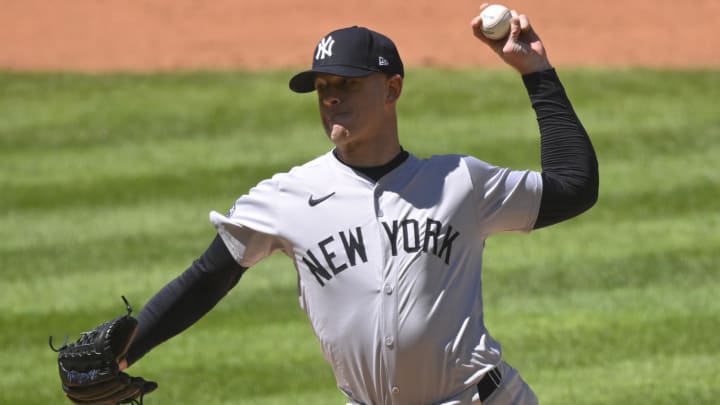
(89, 369)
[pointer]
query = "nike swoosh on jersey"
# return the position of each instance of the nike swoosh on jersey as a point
(313, 202)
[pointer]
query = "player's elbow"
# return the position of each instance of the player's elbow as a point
(584, 194)
(566, 197)
(588, 192)
(592, 188)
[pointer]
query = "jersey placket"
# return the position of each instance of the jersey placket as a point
(388, 304)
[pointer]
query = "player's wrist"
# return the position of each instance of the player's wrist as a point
(534, 68)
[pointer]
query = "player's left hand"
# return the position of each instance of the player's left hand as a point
(89, 370)
(522, 48)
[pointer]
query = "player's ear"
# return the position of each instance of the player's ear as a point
(393, 88)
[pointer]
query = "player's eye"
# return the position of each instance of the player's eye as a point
(349, 84)
(320, 85)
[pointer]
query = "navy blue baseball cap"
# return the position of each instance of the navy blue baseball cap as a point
(350, 52)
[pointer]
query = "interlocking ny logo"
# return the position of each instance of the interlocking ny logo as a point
(325, 48)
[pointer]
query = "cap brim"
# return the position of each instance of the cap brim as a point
(304, 82)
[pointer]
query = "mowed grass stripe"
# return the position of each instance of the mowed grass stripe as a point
(612, 254)
(184, 154)
(76, 111)
(666, 378)
(590, 338)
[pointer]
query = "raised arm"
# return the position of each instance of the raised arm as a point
(569, 164)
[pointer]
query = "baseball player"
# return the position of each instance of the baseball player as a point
(387, 246)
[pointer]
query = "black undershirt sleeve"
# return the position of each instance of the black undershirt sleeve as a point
(186, 299)
(569, 165)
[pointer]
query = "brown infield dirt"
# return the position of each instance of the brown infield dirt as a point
(161, 35)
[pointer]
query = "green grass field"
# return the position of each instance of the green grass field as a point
(106, 182)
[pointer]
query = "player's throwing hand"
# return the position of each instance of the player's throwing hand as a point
(522, 49)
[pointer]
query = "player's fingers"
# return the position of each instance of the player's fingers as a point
(476, 22)
(515, 26)
(524, 23)
(476, 25)
(523, 20)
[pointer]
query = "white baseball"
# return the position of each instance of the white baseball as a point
(496, 21)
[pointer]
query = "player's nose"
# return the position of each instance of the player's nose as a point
(330, 101)
(330, 98)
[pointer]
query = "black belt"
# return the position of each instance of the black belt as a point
(490, 381)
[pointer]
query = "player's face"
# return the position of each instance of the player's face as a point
(352, 109)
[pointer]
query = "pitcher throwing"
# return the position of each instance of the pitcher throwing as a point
(387, 246)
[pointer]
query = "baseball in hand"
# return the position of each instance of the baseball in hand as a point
(495, 21)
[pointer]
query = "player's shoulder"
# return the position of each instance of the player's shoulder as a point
(461, 167)
(308, 172)
(284, 187)
(311, 167)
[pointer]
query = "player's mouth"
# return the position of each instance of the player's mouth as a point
(338, 117)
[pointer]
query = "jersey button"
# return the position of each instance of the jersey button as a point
(395, 390)
(388, 289)
(389, 341)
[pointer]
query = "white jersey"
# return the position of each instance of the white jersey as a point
(390, 271)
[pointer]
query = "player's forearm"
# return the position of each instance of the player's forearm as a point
(569, 165)
(183, 301)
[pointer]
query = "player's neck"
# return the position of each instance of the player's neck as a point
(368, 154)
(377, 172)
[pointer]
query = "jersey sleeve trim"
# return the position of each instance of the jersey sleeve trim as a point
(246, 245)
